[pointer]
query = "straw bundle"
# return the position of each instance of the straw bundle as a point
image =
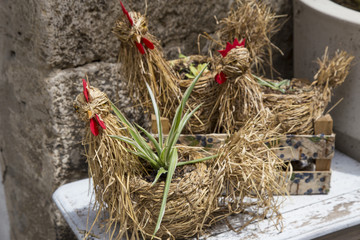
(301, 105)
(204, 92)
(239, 98)
(110, 163)
(249, 172)
(253, 21)
(149, 67)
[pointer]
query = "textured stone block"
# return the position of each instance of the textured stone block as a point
(41, 141)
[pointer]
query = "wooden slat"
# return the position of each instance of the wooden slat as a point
(352, 233)
(165, 124)
(323, 164)
(324, 125)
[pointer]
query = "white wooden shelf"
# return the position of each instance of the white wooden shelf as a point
(304, 217)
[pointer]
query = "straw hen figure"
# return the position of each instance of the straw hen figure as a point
(110, 164)
(239, 97)
(303, 103)
(142, 60)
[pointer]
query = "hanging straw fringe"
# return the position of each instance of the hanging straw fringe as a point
(249, 173)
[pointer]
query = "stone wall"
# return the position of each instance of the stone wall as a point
(47, 46)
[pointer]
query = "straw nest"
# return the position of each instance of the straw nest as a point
(150, 67)
(254, 21)
(239, 98)
(204, 92)
(303, 103)
(200, 194)
(190, 198)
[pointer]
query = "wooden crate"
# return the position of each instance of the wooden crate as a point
(318, 150)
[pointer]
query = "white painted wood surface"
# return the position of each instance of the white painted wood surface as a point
(304, 217)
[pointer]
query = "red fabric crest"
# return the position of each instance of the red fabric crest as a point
(85, 90)
(220, 78)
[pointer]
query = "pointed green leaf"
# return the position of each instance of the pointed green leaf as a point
(124, 139)
(159, 172)
(120, 115)
(180, 109)
(196, 160)
(151, 138)
(157, 115)
(171, 170)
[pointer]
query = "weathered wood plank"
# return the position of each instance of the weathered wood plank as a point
(323, 164)
(324, 125)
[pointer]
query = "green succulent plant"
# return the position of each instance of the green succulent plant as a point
(273, 85)
(194, 71)
(164, 159)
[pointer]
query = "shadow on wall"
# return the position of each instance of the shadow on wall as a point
(4, 219)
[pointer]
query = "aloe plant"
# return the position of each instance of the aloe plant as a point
(194, 71)
(274, 85)
(164, 159)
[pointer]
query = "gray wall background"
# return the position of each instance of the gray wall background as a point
(46, 47)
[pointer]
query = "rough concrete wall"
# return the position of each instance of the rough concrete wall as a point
(46, 48)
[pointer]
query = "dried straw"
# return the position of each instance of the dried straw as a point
(249, 173)
(190, 198)
(110, 164)
(200, 194)
(205, 92)
(298, 108)
(150, 67)
(255, 22)
(228, 106)
(239, 98)
(332, 72)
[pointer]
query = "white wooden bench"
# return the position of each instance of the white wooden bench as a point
(305, 217)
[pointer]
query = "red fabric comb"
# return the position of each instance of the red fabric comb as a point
(127, 14)
(85, 90)
(230, 46)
